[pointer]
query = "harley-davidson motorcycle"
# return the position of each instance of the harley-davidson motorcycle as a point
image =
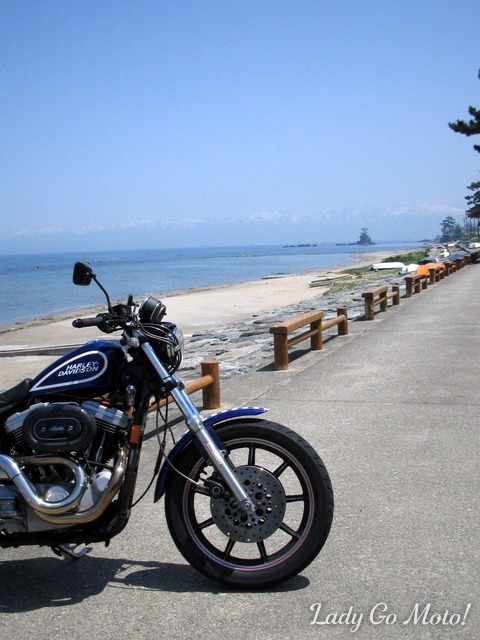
(248, 501)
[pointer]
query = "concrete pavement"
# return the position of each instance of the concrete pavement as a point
(393, 409)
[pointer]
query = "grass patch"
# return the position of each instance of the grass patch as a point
(413, 256)
(360, 276)
(364, 275)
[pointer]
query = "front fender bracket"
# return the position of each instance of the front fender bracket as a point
(210, 423)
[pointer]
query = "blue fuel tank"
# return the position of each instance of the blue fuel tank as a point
(95, 365)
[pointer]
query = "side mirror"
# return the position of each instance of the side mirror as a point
(82, 274)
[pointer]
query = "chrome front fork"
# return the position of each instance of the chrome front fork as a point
(194, 422)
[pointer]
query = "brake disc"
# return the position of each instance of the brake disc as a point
(268, 497)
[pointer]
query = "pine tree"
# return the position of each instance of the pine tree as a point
(364, 237)
(447, 226)
(474, 200)
(471, 128)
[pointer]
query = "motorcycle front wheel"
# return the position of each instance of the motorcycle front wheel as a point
(293, 498)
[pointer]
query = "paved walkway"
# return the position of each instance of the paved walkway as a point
(394, 411)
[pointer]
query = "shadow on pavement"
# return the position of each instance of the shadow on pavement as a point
(31, 584)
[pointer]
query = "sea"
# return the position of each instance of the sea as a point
(38, 285)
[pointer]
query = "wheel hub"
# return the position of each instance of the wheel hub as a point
(268, 498)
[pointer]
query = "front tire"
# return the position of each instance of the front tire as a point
(294, 498)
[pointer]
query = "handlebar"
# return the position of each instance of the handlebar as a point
(99, 319)
(106, 322)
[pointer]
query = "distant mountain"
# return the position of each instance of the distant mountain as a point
(341, 226)
(332, 226)
(405, 223)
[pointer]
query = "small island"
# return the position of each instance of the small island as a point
(290, 246)
(365, 240)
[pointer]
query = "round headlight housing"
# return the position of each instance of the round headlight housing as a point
(167, 342)
(151, 310)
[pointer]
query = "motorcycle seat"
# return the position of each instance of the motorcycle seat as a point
(11, 397)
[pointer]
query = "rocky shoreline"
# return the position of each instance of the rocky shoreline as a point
(247, 345)
(229, 323)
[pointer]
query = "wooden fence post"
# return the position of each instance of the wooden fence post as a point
(211, 393)
(343, 326)
(396, 297)
(316, 340)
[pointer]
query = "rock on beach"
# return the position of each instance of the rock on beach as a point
(247, 345)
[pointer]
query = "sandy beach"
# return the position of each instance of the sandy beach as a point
(193, 311)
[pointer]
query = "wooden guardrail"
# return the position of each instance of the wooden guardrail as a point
(379, 296)
(414, 283)
(436, 274)
(209, 383)
(281, 331)
(450, 267)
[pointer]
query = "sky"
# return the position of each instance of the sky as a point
(151, 124)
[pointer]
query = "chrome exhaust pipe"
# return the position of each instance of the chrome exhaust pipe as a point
(96, 510)
(11, 470)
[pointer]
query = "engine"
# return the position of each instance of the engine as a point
(65, 427)
(65, 464)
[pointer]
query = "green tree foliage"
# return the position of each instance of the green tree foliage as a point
(364, 237)
(474, 200)
(451, 230)
(471, 128)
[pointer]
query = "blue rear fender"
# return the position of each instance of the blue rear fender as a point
(211, 423)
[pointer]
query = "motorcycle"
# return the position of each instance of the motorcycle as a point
(248, 502)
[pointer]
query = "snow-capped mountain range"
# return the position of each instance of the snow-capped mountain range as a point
(342, 226)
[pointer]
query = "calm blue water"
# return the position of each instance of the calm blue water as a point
(34, 286)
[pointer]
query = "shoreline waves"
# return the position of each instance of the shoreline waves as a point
(40, 285)
(229, 322)
(199, 307)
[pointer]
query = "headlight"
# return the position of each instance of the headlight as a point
(151, 310)
(179, 337)
(167, 341)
